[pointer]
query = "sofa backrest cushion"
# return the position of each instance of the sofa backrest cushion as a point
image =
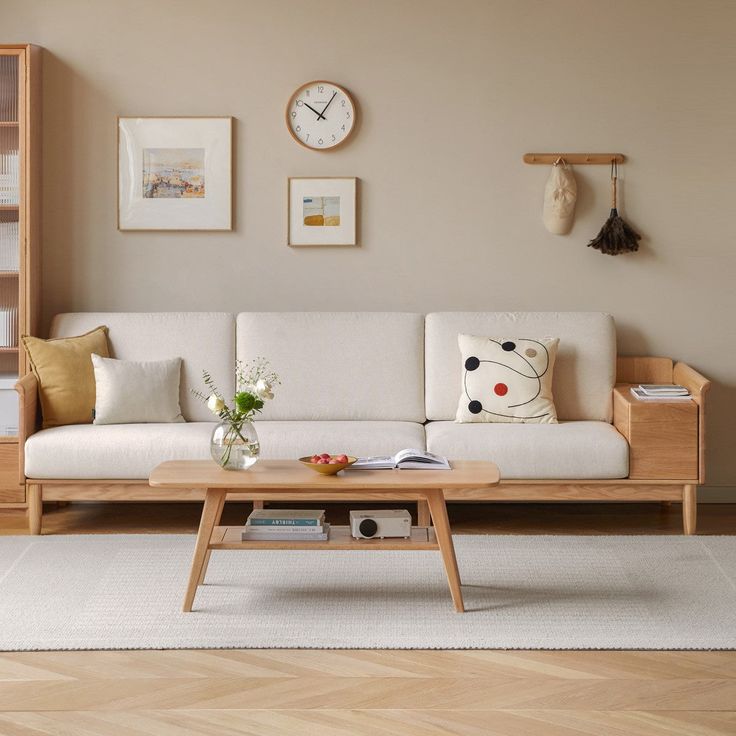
(339, 365)
(584, 372)
(203, 340)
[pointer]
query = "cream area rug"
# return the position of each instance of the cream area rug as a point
(521, 592)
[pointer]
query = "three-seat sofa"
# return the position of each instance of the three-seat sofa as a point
(370, 383)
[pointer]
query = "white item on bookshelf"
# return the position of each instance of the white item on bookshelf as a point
(9, 245)
(409, 459)
(8, 405)
(8, 313)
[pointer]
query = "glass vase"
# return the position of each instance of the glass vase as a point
(234, 446)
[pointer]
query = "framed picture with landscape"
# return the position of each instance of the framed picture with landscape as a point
(175, 173)
(322, 211)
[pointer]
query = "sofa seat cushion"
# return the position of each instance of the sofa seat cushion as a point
(295, 439)
(113, 451)
(131, 451)
(569, 450)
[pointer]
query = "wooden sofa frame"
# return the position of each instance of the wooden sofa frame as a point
(630, 370)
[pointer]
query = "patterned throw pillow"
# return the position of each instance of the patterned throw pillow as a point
(507, 379)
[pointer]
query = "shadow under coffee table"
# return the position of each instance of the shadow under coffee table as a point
(289, 480)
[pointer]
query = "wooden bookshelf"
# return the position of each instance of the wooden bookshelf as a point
(20, 141)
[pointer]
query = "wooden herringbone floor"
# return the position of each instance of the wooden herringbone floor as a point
(331, 693)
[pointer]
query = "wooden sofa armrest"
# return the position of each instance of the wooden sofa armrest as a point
(27, 388)
(688, 377)
(698, 385)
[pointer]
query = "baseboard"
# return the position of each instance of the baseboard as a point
(717, 494)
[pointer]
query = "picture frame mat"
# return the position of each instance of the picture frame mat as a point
(214, 212)
(299, 235)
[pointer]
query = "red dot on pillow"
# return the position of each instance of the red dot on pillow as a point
(501, 389)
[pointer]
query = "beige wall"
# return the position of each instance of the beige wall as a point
(451, 95)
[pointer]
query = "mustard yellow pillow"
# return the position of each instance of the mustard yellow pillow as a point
(66, 378)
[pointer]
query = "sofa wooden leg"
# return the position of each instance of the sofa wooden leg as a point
(35, 508)
(689, 508)
(423, 516)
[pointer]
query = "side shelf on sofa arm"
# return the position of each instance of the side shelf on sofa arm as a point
(666, 439)
(27, 388)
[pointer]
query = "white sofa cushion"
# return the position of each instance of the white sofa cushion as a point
(585, 370)
(296, 439)
(113, 451)
(340, 365)
(203, 340)
(570, 450)
(131, 451)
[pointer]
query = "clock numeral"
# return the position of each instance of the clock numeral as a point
(347, 114)
(293, 114)
(298, 128)
(307, 136)
(307, 93)
(299, 103)
(343, 127)
(333, 136)
(320, 141)
(320, 88)
(342, 102)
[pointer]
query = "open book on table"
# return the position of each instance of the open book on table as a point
(404, 460)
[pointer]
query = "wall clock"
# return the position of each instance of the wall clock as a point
(320, 115)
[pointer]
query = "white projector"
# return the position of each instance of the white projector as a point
(381, 523)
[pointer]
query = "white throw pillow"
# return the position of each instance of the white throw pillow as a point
(507, 379)
(128, 391)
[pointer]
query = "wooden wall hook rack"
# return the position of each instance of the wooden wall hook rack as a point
(574, 158)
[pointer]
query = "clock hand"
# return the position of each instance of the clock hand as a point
(318, 114)
(328, 104)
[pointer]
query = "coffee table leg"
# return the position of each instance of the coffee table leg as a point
(423, 517)
(438, 509)
(212, 501)
(218, 516)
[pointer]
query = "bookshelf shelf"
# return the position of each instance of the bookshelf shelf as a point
(422, 538)
(9, 207)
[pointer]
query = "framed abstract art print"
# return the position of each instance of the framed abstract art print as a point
(322, 211)
(175, 173)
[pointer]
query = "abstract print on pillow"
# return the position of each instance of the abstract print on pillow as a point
(507, 379)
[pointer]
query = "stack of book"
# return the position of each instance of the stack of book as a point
(278, 525)
(660, 392)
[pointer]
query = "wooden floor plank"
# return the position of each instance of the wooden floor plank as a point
(406, 722)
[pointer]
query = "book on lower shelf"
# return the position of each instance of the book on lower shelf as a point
(299, 525)
(403, 460)
(286, 517)
(286, 534)
(660, 392)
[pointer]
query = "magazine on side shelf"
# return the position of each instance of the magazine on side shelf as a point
(404, 460)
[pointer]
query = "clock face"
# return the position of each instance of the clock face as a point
(320, 115)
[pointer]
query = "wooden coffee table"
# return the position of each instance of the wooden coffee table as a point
(289, 480)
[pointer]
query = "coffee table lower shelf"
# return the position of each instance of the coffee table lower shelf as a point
(422, 538)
